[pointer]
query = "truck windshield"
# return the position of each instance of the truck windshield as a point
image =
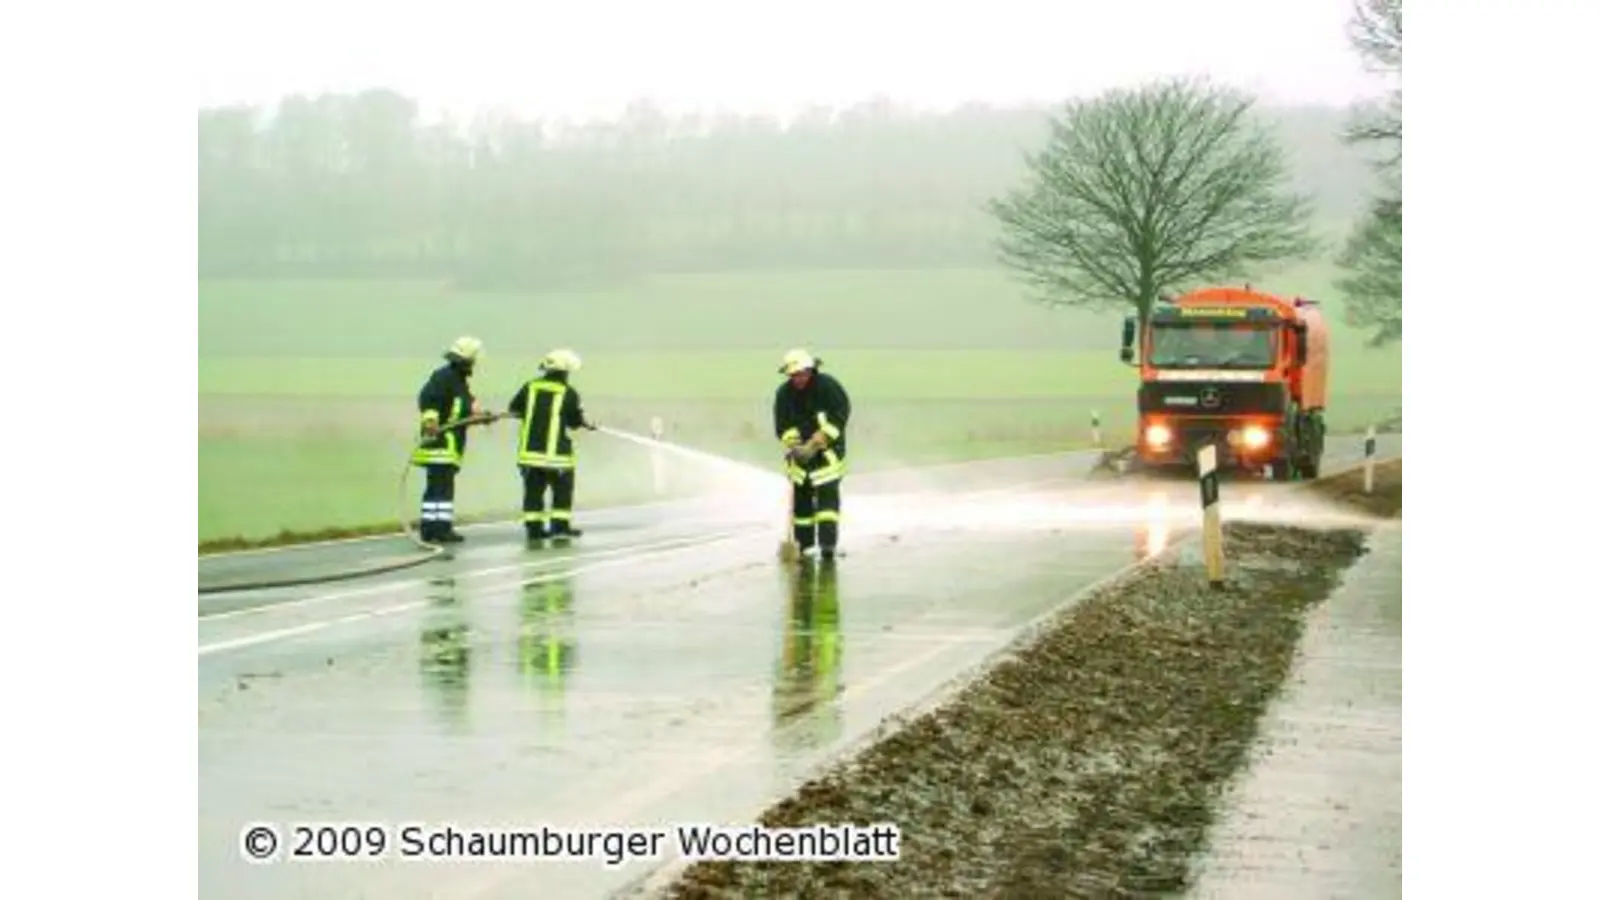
(1194, 345)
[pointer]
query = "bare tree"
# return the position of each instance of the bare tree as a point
(1372, 255)
(1371, 284)
(1140, 192)
(1375, 32)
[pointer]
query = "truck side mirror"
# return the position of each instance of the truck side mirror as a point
(1129, 327)
(1300, 348)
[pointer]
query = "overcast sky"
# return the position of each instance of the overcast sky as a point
(586, 58)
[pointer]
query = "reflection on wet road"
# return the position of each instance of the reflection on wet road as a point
(807, 680)
(669, 670)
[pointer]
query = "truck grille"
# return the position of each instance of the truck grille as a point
(1203, 398)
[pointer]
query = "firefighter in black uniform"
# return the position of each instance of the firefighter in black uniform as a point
(445, 397)
(809, 416)
(550, 410)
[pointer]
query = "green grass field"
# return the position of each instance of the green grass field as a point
(307, 388)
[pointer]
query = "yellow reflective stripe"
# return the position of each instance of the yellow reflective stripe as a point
(828, 428)
(826, 476)
(790, 437)
(561, 515)
(450, 436)
(435, 455)
(804, 520)
(827, 516)
(552, 435)
(431, 415)
(833, 471)
(535, 516)
(527, 421)
(543, 461)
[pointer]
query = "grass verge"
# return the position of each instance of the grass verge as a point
(1090, 763)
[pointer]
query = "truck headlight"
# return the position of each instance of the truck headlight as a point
(1157, 435)
(1254, 437)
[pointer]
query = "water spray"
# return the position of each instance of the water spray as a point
(712, 459)
(788, 550)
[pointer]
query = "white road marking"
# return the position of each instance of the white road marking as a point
(308, 628)
(540, 564)
(320, 625)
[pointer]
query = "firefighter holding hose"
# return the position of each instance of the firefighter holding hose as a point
(810, 413)
(550, 410)
(445, 398)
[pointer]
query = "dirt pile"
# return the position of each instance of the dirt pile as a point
(1349, 489)
(1086, 765)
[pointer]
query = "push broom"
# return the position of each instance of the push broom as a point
(788, 550)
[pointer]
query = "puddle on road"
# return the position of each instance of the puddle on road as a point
(446, 653)
(807, 681)
(547, 649)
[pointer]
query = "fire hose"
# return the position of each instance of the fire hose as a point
(425, 552)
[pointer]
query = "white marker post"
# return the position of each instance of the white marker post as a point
(1094, 427)
(1212, 522)
(658, 459)
(1370, 460)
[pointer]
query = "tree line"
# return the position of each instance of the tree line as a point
(359, 185)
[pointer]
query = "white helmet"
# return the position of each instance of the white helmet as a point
(796, 360)
(465, 348)
(562, 360)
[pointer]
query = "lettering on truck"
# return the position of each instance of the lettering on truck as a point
(1224, 312)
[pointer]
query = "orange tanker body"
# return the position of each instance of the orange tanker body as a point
(1238, 368)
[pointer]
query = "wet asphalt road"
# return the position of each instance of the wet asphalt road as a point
(665, 670)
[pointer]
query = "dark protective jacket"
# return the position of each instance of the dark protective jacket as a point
(549, 409)
(445, 397)
(823, 405)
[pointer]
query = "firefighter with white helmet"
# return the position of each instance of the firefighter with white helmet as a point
(446, 397)
(810, 413)
(550, 409)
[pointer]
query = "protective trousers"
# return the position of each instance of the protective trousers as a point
(557, 520)
(816, 514)
(439, 502)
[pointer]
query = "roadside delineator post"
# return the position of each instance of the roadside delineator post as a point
(1211, 527)
(1370, 456)
(1094, 428)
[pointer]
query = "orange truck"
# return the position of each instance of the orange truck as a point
(1235, 367)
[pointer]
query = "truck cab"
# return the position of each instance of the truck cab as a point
(1238, 368)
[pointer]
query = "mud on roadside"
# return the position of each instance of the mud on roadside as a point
(1088, 764)
(1349, 489)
